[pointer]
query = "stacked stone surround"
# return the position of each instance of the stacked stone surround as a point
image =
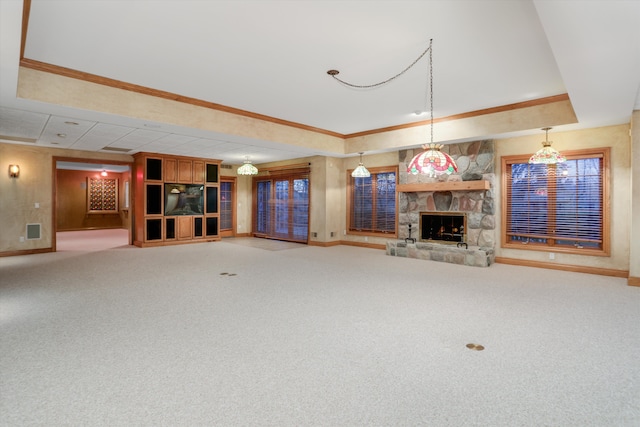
(475, 162)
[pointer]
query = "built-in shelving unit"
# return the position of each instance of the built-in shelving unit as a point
(176, 199)
(444, 186)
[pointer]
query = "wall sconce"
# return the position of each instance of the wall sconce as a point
(14, 171)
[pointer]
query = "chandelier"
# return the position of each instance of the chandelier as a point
(432, 161)
(547, 155)
(247, 168)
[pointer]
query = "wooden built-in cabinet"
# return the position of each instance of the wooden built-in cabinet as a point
(176, 199)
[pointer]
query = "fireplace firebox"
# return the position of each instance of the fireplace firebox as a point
(443, 226)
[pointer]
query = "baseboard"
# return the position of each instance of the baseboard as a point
(26, 252)
(323, 244)
(564, 267)
(633, 281)
(363, 245)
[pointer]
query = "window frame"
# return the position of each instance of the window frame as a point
(603, 153)
(350, 195)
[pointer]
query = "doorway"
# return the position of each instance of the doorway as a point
(90, 196)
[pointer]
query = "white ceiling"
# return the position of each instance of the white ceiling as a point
(270, 57)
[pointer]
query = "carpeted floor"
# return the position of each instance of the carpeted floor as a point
(230, 335)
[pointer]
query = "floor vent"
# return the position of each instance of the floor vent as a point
(33, 231)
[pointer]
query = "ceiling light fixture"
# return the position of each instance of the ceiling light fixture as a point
(547, 155)
(103, 173)
(432, 161)
(247, 168)
(361, 171)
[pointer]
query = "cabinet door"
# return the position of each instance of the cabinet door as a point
(184, 171)
(153, 169)
(170, 170)
(185, 227)
(198, 172)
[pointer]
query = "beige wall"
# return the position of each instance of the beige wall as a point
(634, 258)
(329, 191)
(616, 137)
(18, 196)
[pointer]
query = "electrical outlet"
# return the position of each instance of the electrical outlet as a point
(37, 205)
(21, 239)
(552, 255)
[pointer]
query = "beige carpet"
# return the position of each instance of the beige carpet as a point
(222, 334)
(266, 244)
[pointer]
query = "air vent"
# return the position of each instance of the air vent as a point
(118, 149)
(18, 139)
(33, 231)
(226, 167)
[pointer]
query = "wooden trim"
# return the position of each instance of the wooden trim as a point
(563, 267)
(118, 84)
(294, 168)
(633, 281)
(444, 186)
(26, 252)
(363, 245)
(323, 244)
(476, 113)
(26, 13)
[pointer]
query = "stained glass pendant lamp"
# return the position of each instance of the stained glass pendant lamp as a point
(547, 155)
(432, 161)
(247, 168)
(361, 171)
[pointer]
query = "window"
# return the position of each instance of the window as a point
(372, 202)
(562, 207)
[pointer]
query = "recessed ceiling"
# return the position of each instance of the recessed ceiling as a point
(271, 57)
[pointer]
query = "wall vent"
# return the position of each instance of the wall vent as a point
(226, 166)
(33, 231)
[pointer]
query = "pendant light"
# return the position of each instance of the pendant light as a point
(247, 168)
(432, 161)
(547, 155)
(361, 171)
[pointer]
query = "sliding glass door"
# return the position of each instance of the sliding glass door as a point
(281, 208)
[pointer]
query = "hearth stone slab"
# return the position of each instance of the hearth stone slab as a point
(475, 256)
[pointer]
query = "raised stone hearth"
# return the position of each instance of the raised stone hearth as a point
(474, 256)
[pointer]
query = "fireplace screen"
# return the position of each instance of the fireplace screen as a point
(446, 227)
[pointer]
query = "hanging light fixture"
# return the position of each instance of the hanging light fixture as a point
(547, 155)
(247, 168)
(432, 161)
(361, 171)
(103, 173)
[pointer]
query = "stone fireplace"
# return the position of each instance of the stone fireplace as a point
(468, 193)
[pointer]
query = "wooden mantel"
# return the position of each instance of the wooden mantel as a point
(444, 186)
